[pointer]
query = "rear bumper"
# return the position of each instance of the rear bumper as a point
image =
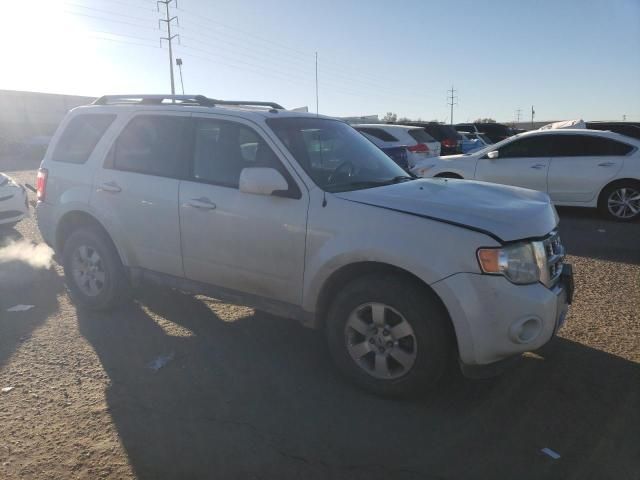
(495, 319)
(44, 214)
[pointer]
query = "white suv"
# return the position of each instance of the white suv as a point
(576, 167)
(303, 217)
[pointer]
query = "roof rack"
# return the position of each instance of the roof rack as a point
(187, 100)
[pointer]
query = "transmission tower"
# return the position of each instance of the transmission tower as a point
(169, 38)
(452, 99)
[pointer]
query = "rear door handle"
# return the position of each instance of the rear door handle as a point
(606, 164)
(203, 203)
(111, 187)
(538, 166)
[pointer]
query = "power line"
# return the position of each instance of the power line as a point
(452, 100)
(108, 12)
(169, 38)
(108, 19)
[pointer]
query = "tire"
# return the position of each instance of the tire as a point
(430, 344)
(106, 269)
(612, 201)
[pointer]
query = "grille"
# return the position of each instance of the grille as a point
(554, 258)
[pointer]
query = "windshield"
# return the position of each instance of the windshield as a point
(336, 156)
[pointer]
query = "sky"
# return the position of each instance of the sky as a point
(569, 59)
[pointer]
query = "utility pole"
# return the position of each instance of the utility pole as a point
(169, 38)
(179, 63)
(317, 112)
(533, 114)
(518, 112)
(452, 99)
(624, 118)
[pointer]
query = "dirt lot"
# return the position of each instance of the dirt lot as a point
(247, 395)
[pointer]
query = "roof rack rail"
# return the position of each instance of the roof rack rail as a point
(187, 100)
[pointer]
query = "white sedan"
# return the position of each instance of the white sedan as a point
(576, 167)
(13, 202)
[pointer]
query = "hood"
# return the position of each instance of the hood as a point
(503, 212)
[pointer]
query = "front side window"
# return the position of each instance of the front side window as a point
(222, 149)
(152, 144)
(334, 155)
(80, 137)
(528, 147)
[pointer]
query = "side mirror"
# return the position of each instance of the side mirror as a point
(262, 181)
(493, 154)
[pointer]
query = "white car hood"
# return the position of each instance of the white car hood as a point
(503, 212)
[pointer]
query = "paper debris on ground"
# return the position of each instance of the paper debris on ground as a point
(159, 362)
(7, 389)
(19, 308)
(602, 230)
(551, 453)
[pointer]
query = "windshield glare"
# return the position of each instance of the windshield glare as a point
(334, 155)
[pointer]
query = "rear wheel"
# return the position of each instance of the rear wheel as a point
(93, 270)
(621, 201)
(388, 335)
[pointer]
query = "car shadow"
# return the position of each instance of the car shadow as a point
(23, 284)
(586, 233)
(200, 391)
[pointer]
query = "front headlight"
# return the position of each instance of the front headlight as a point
(516, 262)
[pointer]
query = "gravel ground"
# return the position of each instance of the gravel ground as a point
(248, 395)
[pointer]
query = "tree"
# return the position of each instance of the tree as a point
(390, 117)
(484, 120)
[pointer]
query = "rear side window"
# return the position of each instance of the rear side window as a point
(80, 137)
(222, 149)
(379, 134)
(421, 136)
(152, 144)
(586, 145)
(528, 147)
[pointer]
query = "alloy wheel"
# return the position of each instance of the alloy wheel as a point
(88, 270)
(624, 202)
(381, 341)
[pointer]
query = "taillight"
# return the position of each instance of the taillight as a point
(418, 148)
(449, 143)
(41, 183)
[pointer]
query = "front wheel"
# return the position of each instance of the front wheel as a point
(389, 335)
(94, 273)
(621, 201)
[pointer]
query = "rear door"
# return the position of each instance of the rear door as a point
(136, 191)
(522, 163)
(582, 165)
(244, 242)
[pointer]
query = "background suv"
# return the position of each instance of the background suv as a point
(495, 131)
(450, 141)
(301, 216)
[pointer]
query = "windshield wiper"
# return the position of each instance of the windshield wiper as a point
(372, 183)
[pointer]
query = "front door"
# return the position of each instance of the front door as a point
(523, 162)
(250, 243)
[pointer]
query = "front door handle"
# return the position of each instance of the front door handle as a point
(111, 187)
(203, 203)
(606, 164)
(538, 166)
